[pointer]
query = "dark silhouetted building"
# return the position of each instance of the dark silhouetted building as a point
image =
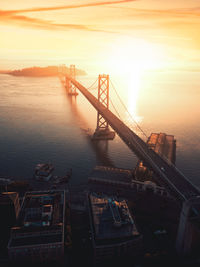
(9, 210)
(39, 232)
(114, 233)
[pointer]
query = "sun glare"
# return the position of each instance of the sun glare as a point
(131, 58)
(132, 55)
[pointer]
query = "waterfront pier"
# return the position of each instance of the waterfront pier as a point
(164, 145)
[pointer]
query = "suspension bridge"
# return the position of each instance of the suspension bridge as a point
(166, 172)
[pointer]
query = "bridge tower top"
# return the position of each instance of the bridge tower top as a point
(72, 71)
(71, 88)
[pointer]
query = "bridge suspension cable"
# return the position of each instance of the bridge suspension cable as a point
(131, 117)
(115, 109)
(90, 87)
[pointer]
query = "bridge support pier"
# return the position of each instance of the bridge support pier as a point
(102, 131)
(71, 89)
(188, 235)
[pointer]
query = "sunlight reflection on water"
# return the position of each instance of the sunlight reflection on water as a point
(40, 123)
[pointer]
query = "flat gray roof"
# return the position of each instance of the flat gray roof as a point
(36, 224)
(111, 218)
(116, 174)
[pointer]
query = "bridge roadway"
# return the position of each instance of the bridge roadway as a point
(170, 176)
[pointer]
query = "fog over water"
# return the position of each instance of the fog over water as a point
(40, 123)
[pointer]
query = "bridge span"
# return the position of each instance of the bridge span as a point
(169, 175)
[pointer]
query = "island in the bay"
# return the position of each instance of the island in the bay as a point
(42, 71)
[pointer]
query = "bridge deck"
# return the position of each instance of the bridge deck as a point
(169, 174)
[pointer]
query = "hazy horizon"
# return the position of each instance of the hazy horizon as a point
(104, 36)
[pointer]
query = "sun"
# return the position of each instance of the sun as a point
(129, 56)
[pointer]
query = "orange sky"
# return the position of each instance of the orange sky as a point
(100, 35)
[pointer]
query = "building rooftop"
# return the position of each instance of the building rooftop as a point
(41, 219)
(115, 174)
(111, 218)
(163, 144)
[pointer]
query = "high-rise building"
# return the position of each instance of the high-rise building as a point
(39, 232)
(114, 232)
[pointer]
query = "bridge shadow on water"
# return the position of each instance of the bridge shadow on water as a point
(100, 147)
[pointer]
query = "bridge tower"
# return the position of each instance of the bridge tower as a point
(102, 131)
(61, 73)
(71, 89)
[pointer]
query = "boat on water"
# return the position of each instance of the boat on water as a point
(63, 179)
(44, 171)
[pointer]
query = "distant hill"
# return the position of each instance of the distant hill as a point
(4, 71)
(43, 71)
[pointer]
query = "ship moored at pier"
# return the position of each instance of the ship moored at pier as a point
(43, 171)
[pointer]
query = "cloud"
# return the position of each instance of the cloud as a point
(41, 24)
(11, 17)
(176, 24)
(154, 13)
(48, 25)
(40, 9)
